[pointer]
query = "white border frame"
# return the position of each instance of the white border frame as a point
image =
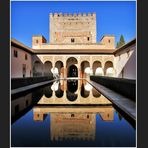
(10, 65)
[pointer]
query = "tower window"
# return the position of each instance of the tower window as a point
(37, 41)
(88, 38)
(72, 115)
(72, 40)
(109, 41)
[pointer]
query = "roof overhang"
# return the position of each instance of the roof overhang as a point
(17, 44)
(125, 46)
(73, 51)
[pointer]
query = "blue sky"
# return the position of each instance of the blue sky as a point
(32, 18)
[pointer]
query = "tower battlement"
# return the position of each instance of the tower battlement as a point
(57, 15)
(73, 28)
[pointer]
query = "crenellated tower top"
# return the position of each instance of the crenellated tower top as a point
(58, 15)
(68, 28)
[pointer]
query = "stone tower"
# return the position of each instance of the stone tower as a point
(72, 29)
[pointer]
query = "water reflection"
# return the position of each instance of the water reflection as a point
(51, 121)
(67, 123)
(120, 117)
(96, 93)
(47, 91)
(72, 86)
(72, 92)
(88, 87)
(38, 93)
(84, 93)
(22, 104)
(71, 96)
(55, 86)
(59, 93)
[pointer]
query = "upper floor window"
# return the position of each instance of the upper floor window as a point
(15, 53)
(24, 70)
(37, 41)
(72, 40)
(128, 53)
(109, 41)
(26, 57)
(119, 57)
(88, 38)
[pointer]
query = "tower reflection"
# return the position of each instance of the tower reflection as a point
(73, 123)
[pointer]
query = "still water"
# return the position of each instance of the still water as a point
(68, 113)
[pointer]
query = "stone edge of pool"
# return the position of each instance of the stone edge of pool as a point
(26, 88)
(32, 86)
(125, 104)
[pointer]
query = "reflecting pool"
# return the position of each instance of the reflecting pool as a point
(68, 113)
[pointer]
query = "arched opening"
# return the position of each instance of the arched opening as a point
(84, 93)
(97, 68)
(37, 95)
(54, 70)
(59, 93)
(37, 68)
(88, 71)
(47, 91)
(47, 68)
(72, 87)
(72, 70)
(88, 87)
(109, 69)
(59, 65)
(96, 93)
(55, 86)
(71, 96)
(85, 69)
(99, 71)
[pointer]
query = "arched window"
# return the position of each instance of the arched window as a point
(109, 69)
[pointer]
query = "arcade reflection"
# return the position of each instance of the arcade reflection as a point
(72, 92)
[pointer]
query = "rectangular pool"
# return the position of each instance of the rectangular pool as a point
(68, 113)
